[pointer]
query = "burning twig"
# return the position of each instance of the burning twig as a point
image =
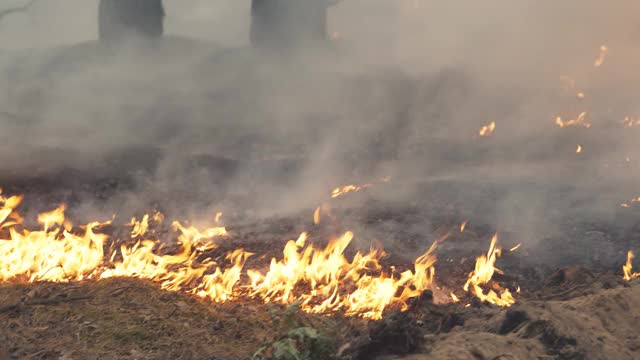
(463, 226)
(579, 121)
(603, 54)
(488, 129)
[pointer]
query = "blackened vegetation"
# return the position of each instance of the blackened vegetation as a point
(119, 19)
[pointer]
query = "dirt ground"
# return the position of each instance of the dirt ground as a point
(132, 319)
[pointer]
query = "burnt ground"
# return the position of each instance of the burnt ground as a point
(533, 189)
(573, 304)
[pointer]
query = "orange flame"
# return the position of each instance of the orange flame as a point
(323, 280)
(51, 254)
(630, 122)
(579, 121)
(579, 149)
(326, 271)
(454, 298)
(483, 273)
(339, 191)
(488, 129)
(627, 268)
(633, 201)
(602, 56)
(139, 227)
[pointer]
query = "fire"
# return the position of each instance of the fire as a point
(316, 216)
(217, 217)
(515, 248)
(569, 85)
(579, 149)
(322, 279)
(463, 226)
(627, 268)
(578, 121)
(7, 210)
(220, 286)
(454, 298)
(482, 275)
(139, 227)
(339, 191)
(630, 122)
(633, 201)
(603, 54)
(342, 190)
(488, 129)
(326, 271)
(50, 254)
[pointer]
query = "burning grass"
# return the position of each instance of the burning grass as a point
(82, 292)
(322, 280)
(135, 319)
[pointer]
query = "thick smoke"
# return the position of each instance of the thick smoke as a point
(200, 121)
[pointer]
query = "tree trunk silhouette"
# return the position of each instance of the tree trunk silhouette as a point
(288, 23)
(120, 19)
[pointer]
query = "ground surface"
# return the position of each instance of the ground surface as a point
(127, 319)
(192, 152)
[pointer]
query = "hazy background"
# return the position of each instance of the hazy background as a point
(203, 122)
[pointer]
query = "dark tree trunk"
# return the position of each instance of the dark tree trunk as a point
(288, 23)
(119, 19)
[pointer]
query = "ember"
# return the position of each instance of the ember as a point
(579, 121)
(603, 54)
(487, 130)
(630, 121)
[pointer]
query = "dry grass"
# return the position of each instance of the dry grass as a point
(129, 319)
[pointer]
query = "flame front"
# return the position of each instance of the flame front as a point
(322, 279)
(326, 272)
(49, 254)
(483, 273)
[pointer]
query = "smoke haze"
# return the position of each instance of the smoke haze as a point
(203, 122)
